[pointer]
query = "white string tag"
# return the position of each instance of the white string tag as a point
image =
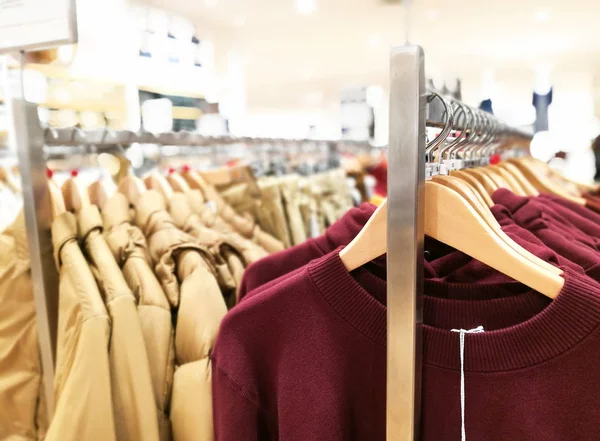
(463, 332)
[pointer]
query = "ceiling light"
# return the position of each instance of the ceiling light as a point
(239, 21)
(542, 15)
(305, 7)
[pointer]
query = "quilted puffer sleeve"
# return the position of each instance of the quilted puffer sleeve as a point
(201, 309)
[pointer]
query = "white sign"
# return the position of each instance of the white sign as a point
(36, 24)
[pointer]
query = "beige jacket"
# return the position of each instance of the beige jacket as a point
(133, 398)
(23, 416)
(208, 212)
(243, 225)
(186, 274)
(83, 410)
(128, 245)
(265, 208)
(229, 248)
(290, 195)
(229, 263)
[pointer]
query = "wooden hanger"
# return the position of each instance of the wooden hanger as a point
(475, 184)
(57, 202)
(220, 176)
(488, 184)
(178, 183)
(451, 220)
(370, 243)
(100, 192)
(511, 181)
(527, 186)
(132, 187)
(494, 176)
(464, 189)
(543, 184)
(196, 181)
(129, 185)
(156, 181)
(103, 189)
(75, 194)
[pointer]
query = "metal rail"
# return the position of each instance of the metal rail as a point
(104, 137)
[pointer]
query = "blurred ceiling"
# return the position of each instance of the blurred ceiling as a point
(345, 42)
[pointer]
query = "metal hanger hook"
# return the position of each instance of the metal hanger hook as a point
(462, 111)
(449, 112)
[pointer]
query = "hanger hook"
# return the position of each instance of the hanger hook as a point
(448, 111)
(469, 131)
(458, 139)
(473, 135)
(494, 143)
(479, 136)
(488, 135)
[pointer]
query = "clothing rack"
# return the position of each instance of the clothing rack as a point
(407, 171)
(39, 145)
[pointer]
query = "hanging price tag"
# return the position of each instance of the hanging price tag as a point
(36, 24)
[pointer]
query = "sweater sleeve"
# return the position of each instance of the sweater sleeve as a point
(236, 415)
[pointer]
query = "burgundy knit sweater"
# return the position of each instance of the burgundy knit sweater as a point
(581, 217)
(279, 264)
(526, 209)
(305, 360)
(555, 231)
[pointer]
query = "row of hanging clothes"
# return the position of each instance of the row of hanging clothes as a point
(511, 309)
(147, 267)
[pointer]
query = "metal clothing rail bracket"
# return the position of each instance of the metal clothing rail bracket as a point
(406, 178)
(55, 24)
(29, 137)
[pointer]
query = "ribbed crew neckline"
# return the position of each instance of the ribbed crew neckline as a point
(558, 327)
(347, 297)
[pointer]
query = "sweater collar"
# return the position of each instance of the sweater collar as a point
(347, 297)
(565, 322)
(526, 329)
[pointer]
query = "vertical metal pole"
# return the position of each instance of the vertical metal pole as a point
(28, 137)
(405, 243)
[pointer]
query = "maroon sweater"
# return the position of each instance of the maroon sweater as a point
(279, 264)
(305, 360)
(525, 211)
(581, 217)
(566, 240)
